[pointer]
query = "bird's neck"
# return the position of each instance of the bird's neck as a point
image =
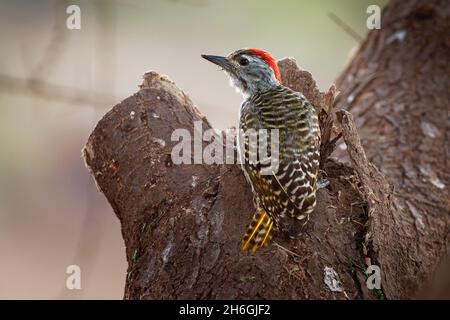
(255, 86)
(259, 91)
(259, 86)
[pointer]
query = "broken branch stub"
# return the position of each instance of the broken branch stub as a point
(182, 224)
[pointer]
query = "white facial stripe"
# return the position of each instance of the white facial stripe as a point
(258, 76)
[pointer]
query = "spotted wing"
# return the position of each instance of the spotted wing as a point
(289, 189)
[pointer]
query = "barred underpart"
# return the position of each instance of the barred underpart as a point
(287, 194)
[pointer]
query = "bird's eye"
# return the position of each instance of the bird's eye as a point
(243, 61)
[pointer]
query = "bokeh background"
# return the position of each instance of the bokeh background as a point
(55, 84)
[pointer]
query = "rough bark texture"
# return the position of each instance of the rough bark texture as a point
(397, 88)
(182, 224)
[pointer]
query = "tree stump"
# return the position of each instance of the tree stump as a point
(182, 224)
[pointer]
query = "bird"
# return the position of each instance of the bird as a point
(285, 196)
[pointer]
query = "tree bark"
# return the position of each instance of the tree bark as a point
(397, 88)
(182, 224)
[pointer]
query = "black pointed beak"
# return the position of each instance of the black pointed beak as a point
(219, 60)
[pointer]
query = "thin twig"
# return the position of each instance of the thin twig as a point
(344, 26)
(287, 250)
(56, 46)
(50, 91)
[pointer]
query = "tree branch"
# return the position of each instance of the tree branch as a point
(182, 224)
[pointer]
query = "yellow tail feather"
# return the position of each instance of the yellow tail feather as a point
(258, 233)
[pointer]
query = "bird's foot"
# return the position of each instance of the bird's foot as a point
(255, 203)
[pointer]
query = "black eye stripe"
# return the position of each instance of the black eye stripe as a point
(243, 61)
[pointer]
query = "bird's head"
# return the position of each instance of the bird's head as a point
(250, 70)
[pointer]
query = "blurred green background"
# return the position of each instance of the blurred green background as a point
(55, 84)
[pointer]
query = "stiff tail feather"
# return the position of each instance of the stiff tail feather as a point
(259, 232)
